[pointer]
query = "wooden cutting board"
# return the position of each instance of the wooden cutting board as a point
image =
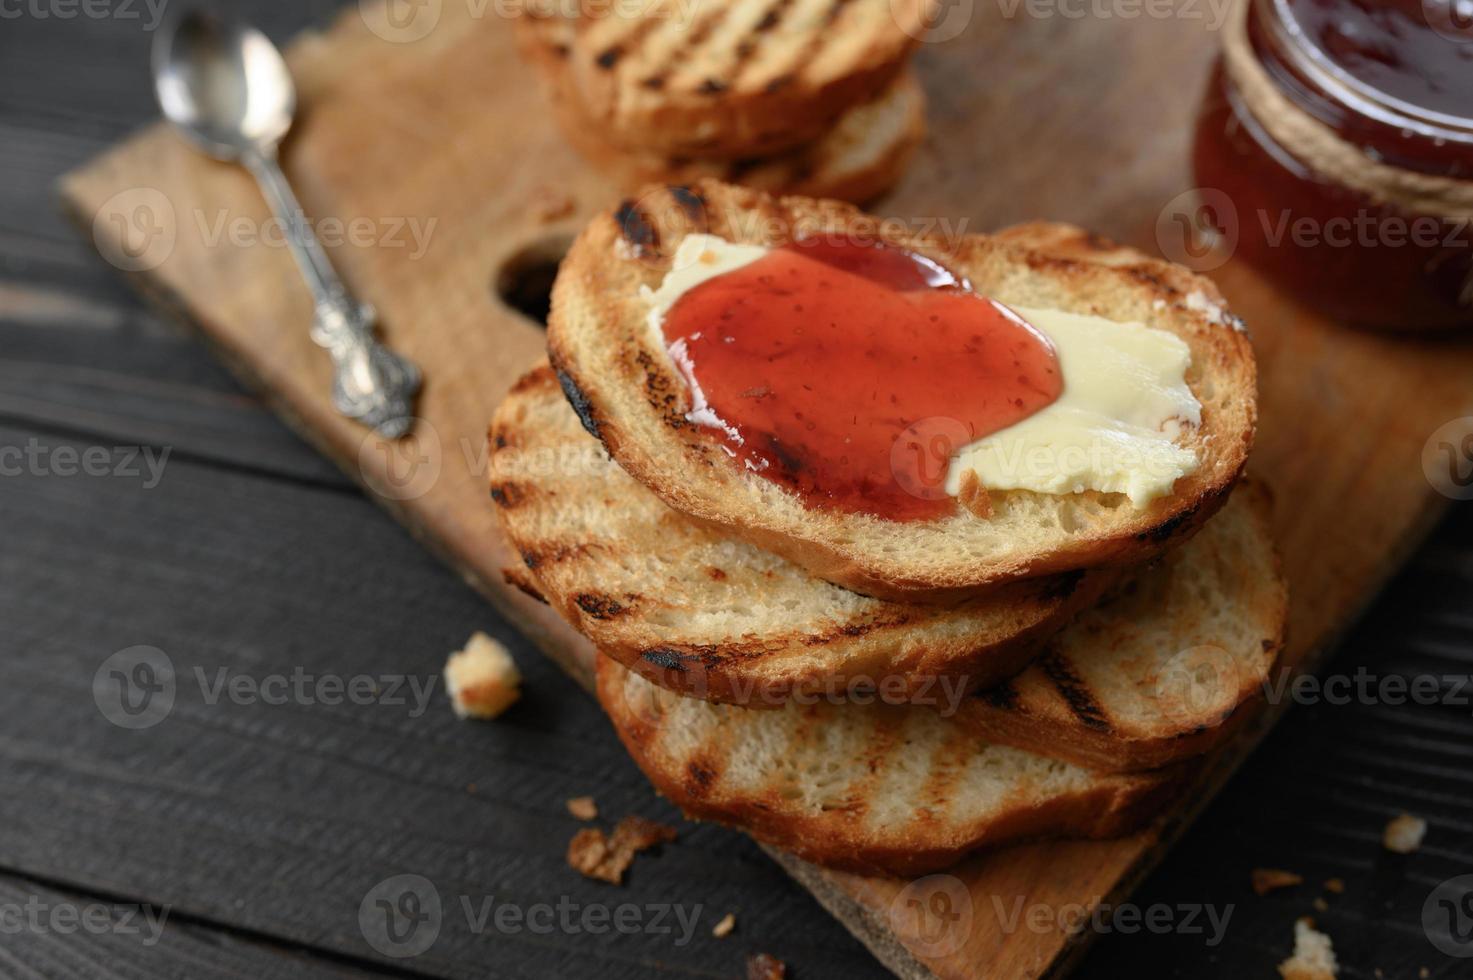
(433, 148)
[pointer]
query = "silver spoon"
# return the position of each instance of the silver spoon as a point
(227, 88)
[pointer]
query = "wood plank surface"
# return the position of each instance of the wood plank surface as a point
(434, 131)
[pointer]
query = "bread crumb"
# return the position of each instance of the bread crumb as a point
(583, 807)
(1266, 880)
(1404, 834)
(1424, 973)
(606, 858)
(1320, 905)
(724, 928)
(482, 679)
(764, 966)
(1314, 957)
(1335, 886)
(973, 495)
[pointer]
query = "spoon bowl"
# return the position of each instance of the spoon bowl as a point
(224, 84)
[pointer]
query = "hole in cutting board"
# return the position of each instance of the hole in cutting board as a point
(524, 281)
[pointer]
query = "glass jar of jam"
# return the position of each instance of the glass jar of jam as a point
(1337, 135)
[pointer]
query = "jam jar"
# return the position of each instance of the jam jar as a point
(1336, 138)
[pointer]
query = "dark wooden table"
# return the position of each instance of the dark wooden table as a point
(261, 827)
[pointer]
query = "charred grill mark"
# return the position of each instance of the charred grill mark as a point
(581, 403)
(712, 86)
(852, 630)
(609, 57)
(692, 40)
(663, 395)
(599, 606)
(667, 659)
(805, 53)
(535, 558)
(690, 201)
(835, 11)
(636, 228)
(1075, 692)
(507, 495)
(700, 776)
(750, 44)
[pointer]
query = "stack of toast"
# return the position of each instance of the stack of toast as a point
(876, 694)
(793, 97)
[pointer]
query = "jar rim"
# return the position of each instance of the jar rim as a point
(1299, 51)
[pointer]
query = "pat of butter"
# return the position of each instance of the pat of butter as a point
(697, 259)
(1114, 427)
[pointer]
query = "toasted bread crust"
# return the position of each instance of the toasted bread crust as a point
(861, 157)
(1167, 669)
(971, 795)
(634, 398)
(742, 78)
(701, 613)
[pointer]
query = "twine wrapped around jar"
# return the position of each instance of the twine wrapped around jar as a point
(1321, 148)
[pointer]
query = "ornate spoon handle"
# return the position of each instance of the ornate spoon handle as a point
(371, 383)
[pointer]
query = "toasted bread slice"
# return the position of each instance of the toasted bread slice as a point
(859, 159)
(735, 78)
(1165, 668)
(630, 395)
(876, 789)
(714, 617)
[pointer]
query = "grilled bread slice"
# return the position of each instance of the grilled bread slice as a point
(714, 617)
(630, 395)
(730, 78)
(876, 789)
(859, 159)
(1164, 669)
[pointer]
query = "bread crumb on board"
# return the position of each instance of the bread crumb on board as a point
(606, 858)
(1335, 886)
(583, 808)
(1266, 880)
(1404, 834)
(764, 966)
(1314, 957)
(725, 927)
(483, 681)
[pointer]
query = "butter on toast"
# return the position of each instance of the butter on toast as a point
(714, 617)
(631, 396)
(1166, 667)
(875, 789)
(726, 78)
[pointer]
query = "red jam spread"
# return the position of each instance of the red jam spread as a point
(849, 373)
(1396, 47)
(1392, 80)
